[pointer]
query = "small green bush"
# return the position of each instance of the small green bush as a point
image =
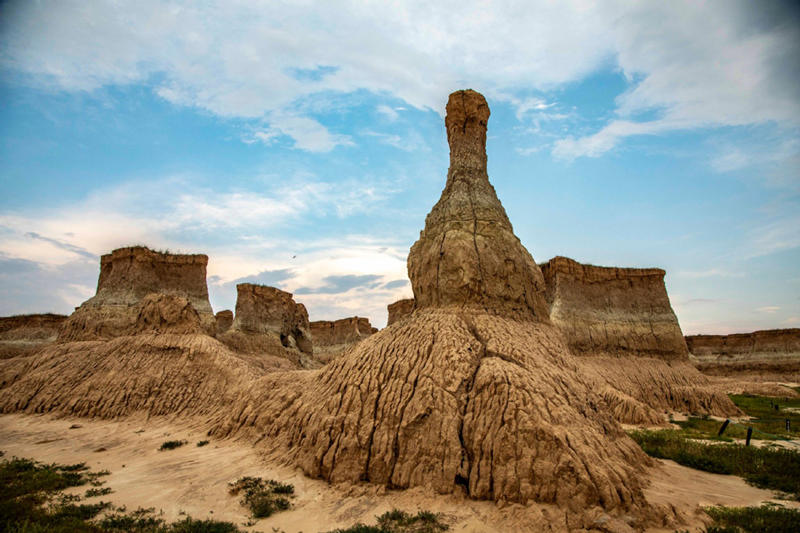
(202, 443)
(397, 521)
(264, 497)
(171, 445)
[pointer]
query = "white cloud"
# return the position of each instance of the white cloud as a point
(237, 230)
(768, 309)
(695, 63)
(710, 273)
(307, 133)
(390, 113)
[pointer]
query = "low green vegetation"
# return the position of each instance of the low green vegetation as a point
(771, 518)
(769, 468)
(768, 420)
(32, 501)
(264, 497)
(202, 443)
(171, 445)
(397, 521)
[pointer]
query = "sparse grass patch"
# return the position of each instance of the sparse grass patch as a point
(31, 501)
(94, 492)
(771, 518)
(171, 445)
(770, 414)
(397, 521)
(202, 443)
(264, 497)
(769, 468)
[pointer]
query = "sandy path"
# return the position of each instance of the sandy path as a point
(194, 480)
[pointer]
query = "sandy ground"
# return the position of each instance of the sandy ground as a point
(193, 480)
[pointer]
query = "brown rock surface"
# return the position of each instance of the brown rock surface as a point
(262, 309)
(771, 354)
(224, 320)
(127, 276)
(22, 335)
(269, 321)
(613, 311)
(331, 338)
(400, 309)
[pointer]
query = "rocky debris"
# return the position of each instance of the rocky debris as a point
(772, 354)
(399, 310)
(127, 277)
(467, 254)
(613, 311)
(475, 391)
(608, 316)
(332, 338)
(22, 335)
(224, 320)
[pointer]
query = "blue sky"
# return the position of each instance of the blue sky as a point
(301, 146)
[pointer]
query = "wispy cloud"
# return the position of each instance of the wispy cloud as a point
(771, 309)
(710, 273)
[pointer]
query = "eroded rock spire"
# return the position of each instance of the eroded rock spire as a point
(468, 255)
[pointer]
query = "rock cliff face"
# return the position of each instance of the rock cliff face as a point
(773, 352)
(399, 310)
(22, 335)
(620, 323)
(224, 320)
(333, 338)
(269, 321)
(127, 277)
(613, 311)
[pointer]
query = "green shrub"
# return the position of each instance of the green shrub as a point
(769, 468)
(202, 443)
(264, 497)
(770, 518)
(397, 521)
(171, 445)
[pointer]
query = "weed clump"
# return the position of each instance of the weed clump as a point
(264, 497)
(171, 445)
(768, 517)
(397, 521)
(202, 443)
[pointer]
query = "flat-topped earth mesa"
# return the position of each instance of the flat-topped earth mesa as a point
(494, 382)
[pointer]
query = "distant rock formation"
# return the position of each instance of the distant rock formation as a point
(224, 320)
(613, 311)
(268, 320)
(772, 353)
(332, 338)
(127, 277)
(22, 335)
(621, 324)
(399, 310)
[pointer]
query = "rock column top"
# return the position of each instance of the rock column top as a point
(466, 120)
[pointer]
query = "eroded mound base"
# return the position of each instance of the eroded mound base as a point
(452, 399)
